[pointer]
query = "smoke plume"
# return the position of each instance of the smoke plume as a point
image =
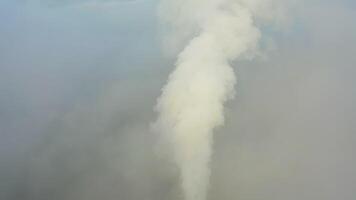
(192, 102)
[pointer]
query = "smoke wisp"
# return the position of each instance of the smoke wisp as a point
(192, 102)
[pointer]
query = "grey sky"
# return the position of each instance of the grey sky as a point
(78, 83)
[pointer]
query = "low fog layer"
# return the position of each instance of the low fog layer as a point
(79, 81)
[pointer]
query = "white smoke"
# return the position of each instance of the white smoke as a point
(192, 102)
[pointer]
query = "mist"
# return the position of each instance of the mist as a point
(79, 83)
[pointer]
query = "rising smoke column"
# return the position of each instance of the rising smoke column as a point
(192, 102)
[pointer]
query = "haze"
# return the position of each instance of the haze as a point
(79, 82)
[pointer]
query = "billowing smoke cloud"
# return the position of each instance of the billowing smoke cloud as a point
(192, 102)
(78, 82)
